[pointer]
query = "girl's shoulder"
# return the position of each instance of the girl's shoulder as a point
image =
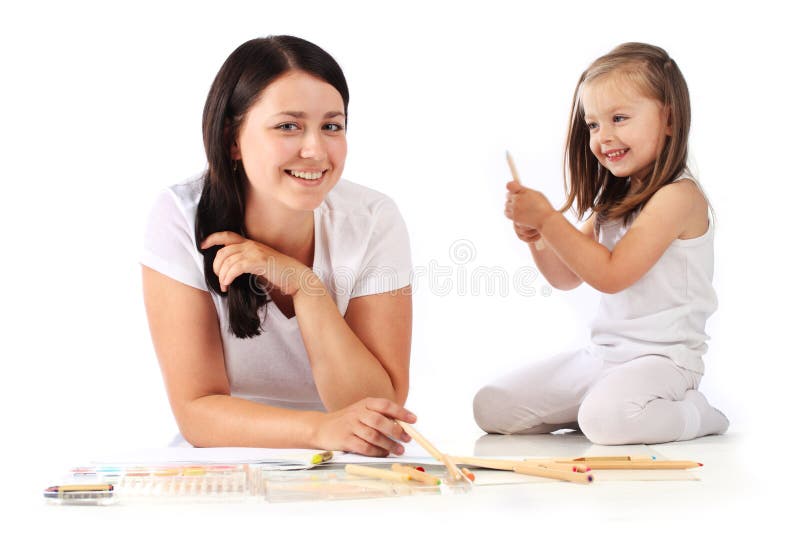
(685, 199)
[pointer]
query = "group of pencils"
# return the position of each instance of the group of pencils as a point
(579, 470)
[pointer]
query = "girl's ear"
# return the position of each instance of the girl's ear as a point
(668, 120)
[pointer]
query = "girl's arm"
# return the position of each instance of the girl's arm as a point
(185, 331)
(669, 215)
(557, 273)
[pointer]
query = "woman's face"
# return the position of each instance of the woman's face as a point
(292, 141)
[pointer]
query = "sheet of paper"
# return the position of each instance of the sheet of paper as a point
(249, 455)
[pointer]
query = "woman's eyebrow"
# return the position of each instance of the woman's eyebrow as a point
(303, 114)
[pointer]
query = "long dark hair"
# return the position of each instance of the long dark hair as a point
(237, 86)
(592, 187)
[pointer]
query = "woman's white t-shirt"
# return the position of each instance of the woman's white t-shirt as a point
(361, 247)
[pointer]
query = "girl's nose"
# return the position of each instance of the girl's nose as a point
(312, 147)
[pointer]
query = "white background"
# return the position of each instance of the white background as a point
(102, 109)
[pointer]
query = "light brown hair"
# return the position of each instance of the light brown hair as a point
(592, 187)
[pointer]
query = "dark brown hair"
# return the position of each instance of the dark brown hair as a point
(592, 187)
(237, 86)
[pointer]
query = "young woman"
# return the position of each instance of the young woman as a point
(277, 294)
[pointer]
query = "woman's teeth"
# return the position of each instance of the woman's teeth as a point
(306, 175)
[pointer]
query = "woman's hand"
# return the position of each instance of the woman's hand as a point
(526, 207)
(366, 427)
(239, 255)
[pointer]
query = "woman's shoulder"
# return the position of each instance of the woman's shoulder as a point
(352, 199)
(187, 193)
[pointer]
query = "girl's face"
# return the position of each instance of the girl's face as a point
(292, 141)
(627, 130)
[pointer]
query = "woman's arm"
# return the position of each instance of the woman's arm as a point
(366, 353)
(185, 331)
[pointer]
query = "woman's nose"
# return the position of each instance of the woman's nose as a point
(312, 147)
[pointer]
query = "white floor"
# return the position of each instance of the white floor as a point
(732, 489)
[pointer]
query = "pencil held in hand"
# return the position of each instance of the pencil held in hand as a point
(515, 175)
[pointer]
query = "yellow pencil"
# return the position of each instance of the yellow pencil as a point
(374, 472)
(321, 457)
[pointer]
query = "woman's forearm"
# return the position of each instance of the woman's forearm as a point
(222, 420)
(344, 370)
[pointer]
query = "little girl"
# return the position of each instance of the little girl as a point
(647, 246)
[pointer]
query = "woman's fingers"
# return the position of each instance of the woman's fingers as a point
(221, 238)
(359, 446)
(386, 426)
(390, 409)
(377, 438)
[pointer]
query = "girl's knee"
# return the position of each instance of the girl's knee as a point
(496, 411)
(609, 423)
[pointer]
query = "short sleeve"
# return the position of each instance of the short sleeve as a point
(387, 259)
(169, 244)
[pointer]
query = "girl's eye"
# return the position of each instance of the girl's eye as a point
(619, 118)
(333, 127)
(591, 126)
(288, 126)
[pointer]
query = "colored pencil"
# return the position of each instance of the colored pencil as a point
(557, 474)
(374, 472)
(433, 451)
(419, 476)
(515, 176)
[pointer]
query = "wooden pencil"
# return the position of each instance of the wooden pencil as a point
(556, 474)
(651, 464)
(512, 167)
(487, 463)
(374, 472)
(433, 451)
(539, 244)
(419, 438)
(419, 476)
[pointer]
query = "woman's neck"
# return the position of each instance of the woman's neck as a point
(288, 231)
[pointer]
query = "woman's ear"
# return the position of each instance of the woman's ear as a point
(236, 154)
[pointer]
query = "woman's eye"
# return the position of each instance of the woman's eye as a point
(288, 126)
(333, 127)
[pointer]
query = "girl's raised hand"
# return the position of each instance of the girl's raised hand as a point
(240, 255)
(526, 233)
(366, 427)
(526, 207)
